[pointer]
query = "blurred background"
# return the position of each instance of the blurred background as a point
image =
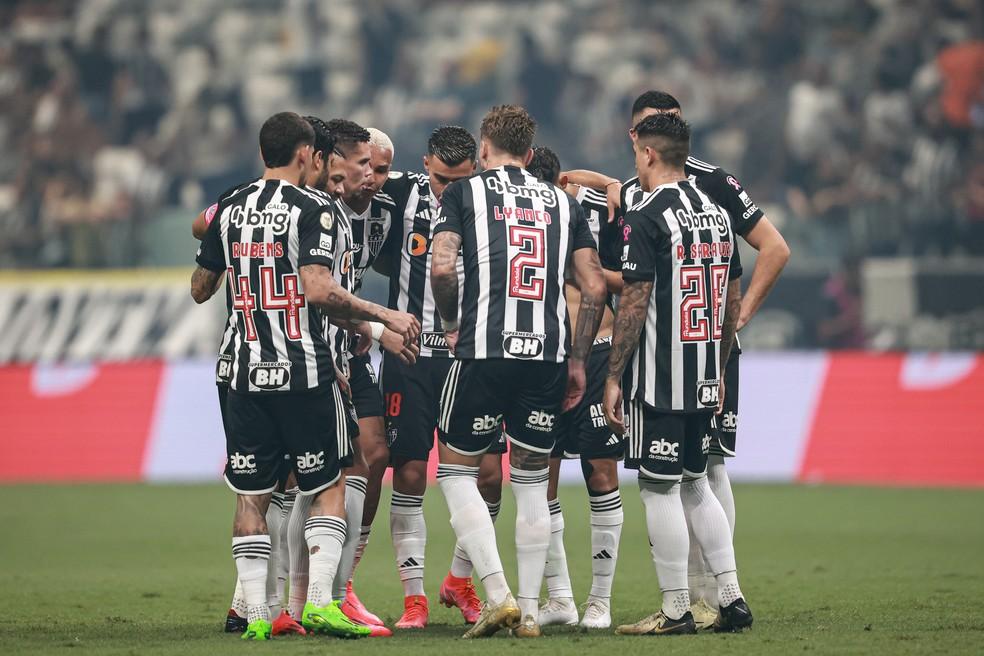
(858, 125)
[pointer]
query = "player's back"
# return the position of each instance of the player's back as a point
(266, 231)
(678, 238)
(517, 237)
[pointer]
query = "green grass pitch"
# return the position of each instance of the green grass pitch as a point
(138, 569)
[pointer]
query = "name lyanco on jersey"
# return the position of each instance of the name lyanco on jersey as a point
(522, 345)
(275, 216)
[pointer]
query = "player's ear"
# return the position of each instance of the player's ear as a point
(426, 162)
(528, 158)
(563, 181)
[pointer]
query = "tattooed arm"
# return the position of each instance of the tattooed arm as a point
(731, 311)
(633, 309)
(444, 278)
(204, 283)
(323, 291)
(591, 281)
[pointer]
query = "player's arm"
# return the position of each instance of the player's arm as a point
(200, 225)
(728, 331)
(207, 276)
(633, 308)
(323, 291)
(444, 279)
(773, 254)
(611, 187)
(370, 332)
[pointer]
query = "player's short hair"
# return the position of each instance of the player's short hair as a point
(509, 128)
(653, 99)
(545, 165)
(346, 134)
(280, 137)
(452, 145)
(668, 134)
(380, 139)
(324, 142)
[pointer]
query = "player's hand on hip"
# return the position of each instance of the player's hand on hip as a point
(393, 344)
(365, 340)
(452, 339)
(612, 406)
(576, 381)
(403, 324)
(721, 389)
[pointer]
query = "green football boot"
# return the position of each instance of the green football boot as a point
(258, 630)
(330, 620)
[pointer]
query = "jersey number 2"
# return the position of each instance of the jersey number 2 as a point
(695, 325)
(290, 301)
(526, 268)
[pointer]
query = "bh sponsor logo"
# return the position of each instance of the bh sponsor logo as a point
(269, 375)
(707, 392)
(524, 346)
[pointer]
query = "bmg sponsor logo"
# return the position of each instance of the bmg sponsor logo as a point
(275, 216)
(540, 421)
(269, 375)
(242, 464)
(486, 424)
(310, 462)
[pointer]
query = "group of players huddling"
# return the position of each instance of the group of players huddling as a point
(545, 313)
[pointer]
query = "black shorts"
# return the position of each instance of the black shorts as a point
(725, 429)
(312, 428)
(501, 445)
(481, 395)
(366, 397)
(411, 396)
(667, 446)
(582, 432)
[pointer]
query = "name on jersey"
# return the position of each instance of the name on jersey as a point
(275, 216)
(710, 219)
(269, 375)
(700, 250)
(522, 345)
(257, 249)
(520, 214)
(542, 192)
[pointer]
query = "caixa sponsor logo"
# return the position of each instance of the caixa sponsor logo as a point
(707, 392)
(269, 375)
(240, 464)
(523, 345)
(540, 420)
(486, 423)
(664, 450)
(310, 462)
(275, 216)
(433, 340)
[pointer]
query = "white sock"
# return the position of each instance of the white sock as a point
(324, 535)
(667, 526)
(555, 572)
(720, 483)
(710, 527)
(283, 554)
(461, 565)
(606, 531)
(252, 556)
(409, 533)
(238, 601)
(532, 534)
(355, 501)
(700, 581)
(298, 551)
(361, 549)
(274, 519)
(473, 527)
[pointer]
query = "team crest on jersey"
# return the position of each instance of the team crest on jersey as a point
(377, 234)
(327, 220)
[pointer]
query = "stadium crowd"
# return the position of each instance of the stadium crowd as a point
(113, 110)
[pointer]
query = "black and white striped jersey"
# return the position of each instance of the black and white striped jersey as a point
(517, 236)
(408, 250)
(369, 230)
(339, 339)
(261, 236)
(722, 187)
(681, 240)
(606, 234)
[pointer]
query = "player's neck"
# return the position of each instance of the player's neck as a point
(495, 161)
(655, 177)
(357, 204)
(285, 173)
